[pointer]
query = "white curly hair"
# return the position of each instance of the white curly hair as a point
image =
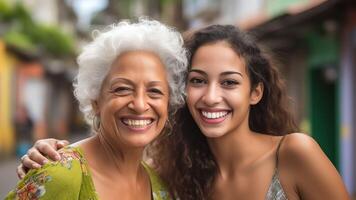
(145, 34)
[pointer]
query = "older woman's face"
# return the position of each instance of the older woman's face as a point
(133, 103)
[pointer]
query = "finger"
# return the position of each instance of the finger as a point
(20, 171)
(35, 156)
(48, 147)
(62, 143)
(28, 163)
(51, 141)
(47, 150)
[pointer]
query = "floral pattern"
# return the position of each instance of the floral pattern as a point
(33, 188)
(67, 157)
(47, 182)
(161, 194)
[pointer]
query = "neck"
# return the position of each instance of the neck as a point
(115, 159)
(233, 150)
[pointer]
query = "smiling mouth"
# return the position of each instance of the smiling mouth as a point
(213, 117)
(137, 124)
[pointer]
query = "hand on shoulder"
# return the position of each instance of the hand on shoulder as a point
(55, 180)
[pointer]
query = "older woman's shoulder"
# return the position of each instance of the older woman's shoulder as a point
(55, 180)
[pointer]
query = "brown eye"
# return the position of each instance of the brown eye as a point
(155, 91)
(197, 81)
(229, 83)
(122, 90)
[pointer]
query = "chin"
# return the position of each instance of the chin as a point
(142, 142)
(137, 144)
(212, 133)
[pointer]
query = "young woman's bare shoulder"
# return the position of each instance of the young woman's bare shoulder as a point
(309, 170)
(299, 145)
(301, 152)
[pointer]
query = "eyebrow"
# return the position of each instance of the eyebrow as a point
(198, 71)
(222, 74)
(231, 72)
(156, 83)
(118, 79)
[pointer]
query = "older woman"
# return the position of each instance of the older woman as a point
(129, 79)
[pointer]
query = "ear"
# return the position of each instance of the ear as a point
(95, 105)
(256, 94)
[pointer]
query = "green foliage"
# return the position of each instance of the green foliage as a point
(24, 34)
(19, 40)
(165, 2)
(5, 11)
(14, 14)
(53, 40)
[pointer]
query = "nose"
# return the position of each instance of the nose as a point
(139, 102)
(212, 95)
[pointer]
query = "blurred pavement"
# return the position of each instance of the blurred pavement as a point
(8, 177)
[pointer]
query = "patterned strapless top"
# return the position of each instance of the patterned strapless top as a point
(275, 190)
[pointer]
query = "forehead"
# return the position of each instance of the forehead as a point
(217, 57)
(139, 65)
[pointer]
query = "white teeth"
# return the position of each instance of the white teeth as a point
(132, 122)
(214, 115)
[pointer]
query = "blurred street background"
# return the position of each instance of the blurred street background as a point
(313, 42)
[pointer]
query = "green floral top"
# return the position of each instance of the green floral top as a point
(70, 178)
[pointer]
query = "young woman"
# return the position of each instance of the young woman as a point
(232, 139)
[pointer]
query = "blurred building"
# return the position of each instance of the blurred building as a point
(167, 11)
(39, 39)
(314, 41)
(37, 70)
(7, 138)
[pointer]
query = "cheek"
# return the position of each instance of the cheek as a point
(113, 105)
(161, 107)
(237, 99)
(192, 96)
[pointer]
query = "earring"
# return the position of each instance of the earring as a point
(96, 123)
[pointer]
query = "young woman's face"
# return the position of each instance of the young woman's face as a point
(218, 90)
(133, 103)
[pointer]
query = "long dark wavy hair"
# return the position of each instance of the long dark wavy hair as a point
(183, 158)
